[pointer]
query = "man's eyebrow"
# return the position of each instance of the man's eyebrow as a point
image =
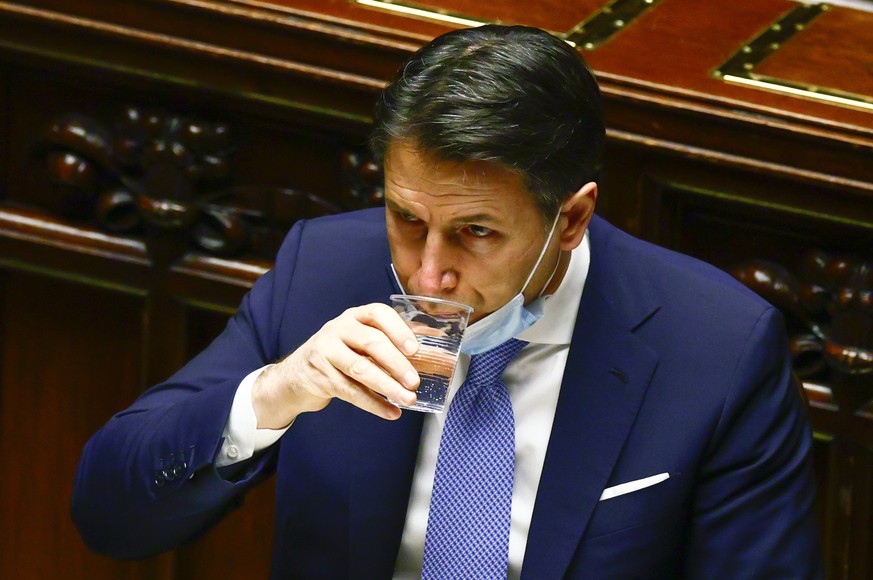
(394, 207)
(466, 219)
(475, 218)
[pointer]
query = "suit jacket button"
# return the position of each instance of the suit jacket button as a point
(178, 469)
(168, 474)
(160, 480)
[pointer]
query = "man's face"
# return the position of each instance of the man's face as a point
(463, 231)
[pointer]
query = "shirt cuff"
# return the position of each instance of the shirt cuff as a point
(242, 438)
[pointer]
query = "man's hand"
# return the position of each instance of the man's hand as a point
(359, 357)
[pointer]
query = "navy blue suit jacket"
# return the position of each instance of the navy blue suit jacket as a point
(674, 368)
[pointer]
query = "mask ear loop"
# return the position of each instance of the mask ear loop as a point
(549, 281)
(540, 258)
(397, 279)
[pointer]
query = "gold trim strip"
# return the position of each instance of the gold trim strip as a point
(826, 95)
(740, 68)
(598, 28)
(414, 11)
(604, 24)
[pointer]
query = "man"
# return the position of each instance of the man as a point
(653, 426)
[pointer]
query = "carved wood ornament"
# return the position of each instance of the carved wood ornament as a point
(830, 317)
(365, 180)
(164, 174)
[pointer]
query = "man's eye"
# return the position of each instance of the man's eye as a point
(408, 217)
(479, 231)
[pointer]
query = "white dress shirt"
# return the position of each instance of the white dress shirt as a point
(533, 380)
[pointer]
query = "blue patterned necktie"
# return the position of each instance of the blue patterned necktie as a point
(468, 525)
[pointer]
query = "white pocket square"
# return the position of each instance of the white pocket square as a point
(632, 486)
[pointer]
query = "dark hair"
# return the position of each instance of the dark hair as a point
(513, 95)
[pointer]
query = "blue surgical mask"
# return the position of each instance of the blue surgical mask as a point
(510, 319)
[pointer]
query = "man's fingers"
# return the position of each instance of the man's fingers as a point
(344, 388)
(361, 369)
(375, 344)
(385, 318)
(369, 401)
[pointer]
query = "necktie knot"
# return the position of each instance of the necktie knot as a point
(487, 367)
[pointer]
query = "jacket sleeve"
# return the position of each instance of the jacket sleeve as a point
(753, 513)
(146, 481)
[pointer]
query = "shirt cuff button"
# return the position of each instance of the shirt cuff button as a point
(233, 452)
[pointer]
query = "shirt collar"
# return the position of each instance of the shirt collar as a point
(560, 309)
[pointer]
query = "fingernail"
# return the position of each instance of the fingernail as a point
(410, 399)
(410, 346)
(410, 378)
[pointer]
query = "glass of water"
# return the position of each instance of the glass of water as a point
(439, 327)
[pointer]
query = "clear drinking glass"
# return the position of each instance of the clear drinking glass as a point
(439, 327)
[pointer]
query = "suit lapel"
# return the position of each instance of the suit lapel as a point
(607, 374)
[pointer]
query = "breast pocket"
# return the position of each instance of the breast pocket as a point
(632, 502)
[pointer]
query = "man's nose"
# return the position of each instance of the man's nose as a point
(436, 274)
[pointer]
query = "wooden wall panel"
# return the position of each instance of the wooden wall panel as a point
(847, 501)
(821, 450)
(667, 196)
(65, 368)
(5, 143)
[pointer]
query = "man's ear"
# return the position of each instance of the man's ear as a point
(576, 212)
